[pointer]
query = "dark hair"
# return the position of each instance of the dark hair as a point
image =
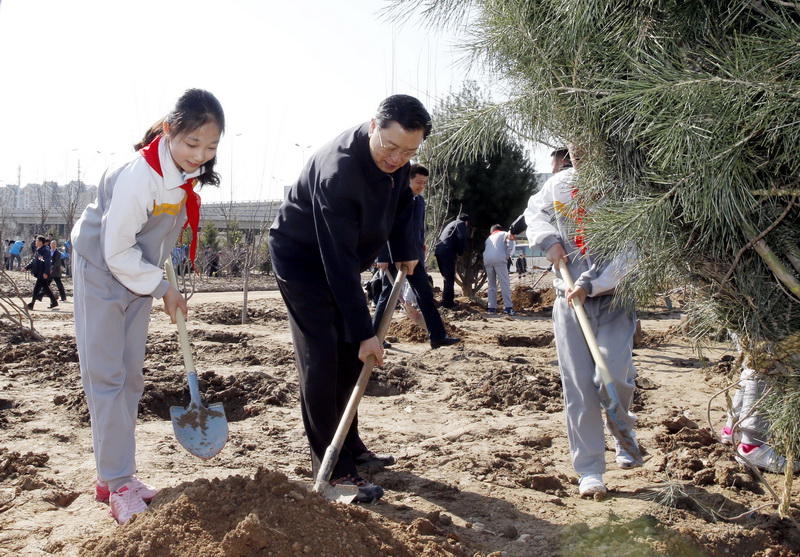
(463, 216)
(41, 238)
(194, 109)
(417, 168)
(406, 111)
(496, 227)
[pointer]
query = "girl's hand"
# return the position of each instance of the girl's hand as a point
(578, 293)
(556, 253)
(172, 301)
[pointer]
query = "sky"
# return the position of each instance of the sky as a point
(82, 80)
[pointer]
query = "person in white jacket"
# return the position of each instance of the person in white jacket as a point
(554, 225)
(120, 244)
(497, 250)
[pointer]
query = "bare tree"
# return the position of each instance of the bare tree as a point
(7, 223)
(68, 201)
(44, 199)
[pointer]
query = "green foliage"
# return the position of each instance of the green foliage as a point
(688, 113)
(209, 236)
(492, 184)
(234, 235)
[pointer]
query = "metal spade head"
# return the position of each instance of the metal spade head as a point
(340, 493)
(201, 431)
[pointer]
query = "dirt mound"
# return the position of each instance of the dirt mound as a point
(243, 395)
(229, 314)
(655, 339)
(23, 470)
(404, 330)
(390, 380)
(263, 515)
(534, 341)
(14, 464)
(525, 298)
(50, 358)
(510, 385)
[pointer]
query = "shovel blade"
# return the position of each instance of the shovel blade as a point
(624, 436)
(340, 493)
(201, 431)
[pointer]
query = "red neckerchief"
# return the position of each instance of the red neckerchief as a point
(150, 154)
(579, 239)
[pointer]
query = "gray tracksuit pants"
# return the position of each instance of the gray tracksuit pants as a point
(495, 273)
(753, 425)
(111, 325)
(581, 381)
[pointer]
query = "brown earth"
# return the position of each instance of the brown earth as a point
(483, 465)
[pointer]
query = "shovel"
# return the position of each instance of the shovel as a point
(346, 493)
(202, 431)
(619, 430)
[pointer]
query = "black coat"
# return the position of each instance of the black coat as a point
(453, 239)
(40, 264)
(335, 220)
(55, 264)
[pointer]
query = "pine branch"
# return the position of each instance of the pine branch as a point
(757, 238)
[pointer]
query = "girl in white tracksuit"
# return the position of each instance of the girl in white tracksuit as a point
(120, 244)
(552, 226)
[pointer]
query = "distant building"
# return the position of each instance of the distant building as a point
(38, 208)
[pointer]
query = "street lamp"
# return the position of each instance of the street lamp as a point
(303, 152)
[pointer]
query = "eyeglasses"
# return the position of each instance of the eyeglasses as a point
(405, 153)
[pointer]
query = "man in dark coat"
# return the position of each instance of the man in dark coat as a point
(452, 243)
(40, 268)
(419, 280)
(351, 197)
(55, 270)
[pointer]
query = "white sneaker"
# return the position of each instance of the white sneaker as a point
(765, 458)
(729, 437)
(124, 503)
(590, 484)
(624, 459)
(145, 491)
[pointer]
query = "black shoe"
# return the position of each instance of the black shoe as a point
(371, 459)
(64, 299)
(38, 298)
(451, 306)
(446, 341)
(386, 345)
(30, 306)
(53, 305)
(367, 492)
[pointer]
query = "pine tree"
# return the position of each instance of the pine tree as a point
(492, 184)
(689, 115)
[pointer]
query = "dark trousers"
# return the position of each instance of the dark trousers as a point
(447, 266)
(41, 288)
(422, 288)
(60, 286)
(328, 369)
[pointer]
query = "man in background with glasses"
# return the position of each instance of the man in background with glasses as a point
(350, 199)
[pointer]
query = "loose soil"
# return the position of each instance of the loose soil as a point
(482, 467)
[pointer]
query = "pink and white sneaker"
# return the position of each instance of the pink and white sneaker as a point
(726, 436)
(124, 503)
(143, 490)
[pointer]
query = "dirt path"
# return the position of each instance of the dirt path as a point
(478, 431)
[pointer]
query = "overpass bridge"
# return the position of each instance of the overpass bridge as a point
(253, 217)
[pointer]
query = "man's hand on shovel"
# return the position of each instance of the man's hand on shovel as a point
(371, 347)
